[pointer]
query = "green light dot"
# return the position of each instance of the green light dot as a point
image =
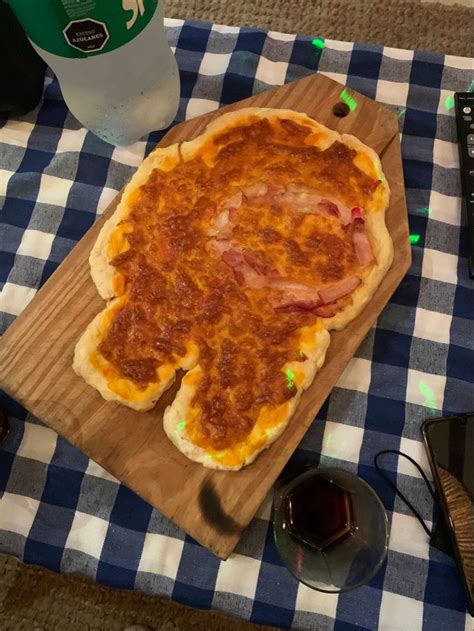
(290, 375)
(414, 238)
(428, 394)
(402, 112)
(449, 102)
(181, 426)
(318, 42)
(347, 98)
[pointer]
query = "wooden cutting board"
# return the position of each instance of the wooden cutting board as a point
(37, 350)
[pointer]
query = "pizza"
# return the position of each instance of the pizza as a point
(230, 258)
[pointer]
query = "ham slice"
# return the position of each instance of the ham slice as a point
(293, 305)
(275, 190)
(250, 271)
(221, 227)
(362, 247)
(259, 189)
(233, 258)
(296, 296)
(338, 290)
(308, 201)
(326, 311)
(322, 302)
(345, 214)
(233, 204)
(218, 246)
(259, 266)
(244, 273)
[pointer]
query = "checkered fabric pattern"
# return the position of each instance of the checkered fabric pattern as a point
(61, 510)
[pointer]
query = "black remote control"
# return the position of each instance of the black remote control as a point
(464, 102)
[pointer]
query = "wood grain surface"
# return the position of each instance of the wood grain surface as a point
(37, 350)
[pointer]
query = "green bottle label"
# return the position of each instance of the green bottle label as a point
(82, 28)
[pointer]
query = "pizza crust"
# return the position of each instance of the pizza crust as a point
(105, 279)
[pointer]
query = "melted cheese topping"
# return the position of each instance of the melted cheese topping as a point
(182, 298)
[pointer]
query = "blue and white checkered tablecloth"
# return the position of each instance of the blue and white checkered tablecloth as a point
(61, 510)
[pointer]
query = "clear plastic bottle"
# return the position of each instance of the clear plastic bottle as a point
(116, 70)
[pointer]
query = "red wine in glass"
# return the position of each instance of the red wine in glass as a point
(319, 512)
(330, 528)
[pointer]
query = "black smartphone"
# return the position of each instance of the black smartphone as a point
(450, 445)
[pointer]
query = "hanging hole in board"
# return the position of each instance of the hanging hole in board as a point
(341, 110)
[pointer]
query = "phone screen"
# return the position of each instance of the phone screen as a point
(450, 444)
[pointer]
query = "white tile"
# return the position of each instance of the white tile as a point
(415, 449)
(463, 63)
(342, 441)
(196, 107)
(336, 76)
(407, 536)
(214, 64)
(106, 196)
(425, 389)
(14, 298)
(391, 92)
(271, 72)
(445, 154)
(238, 575)
(356, 375)
(430, 325)
(445, 208)
(17, 513)
(99, 472)
(16, 133)
(283, 37)
(132, 155)
(440, 266)
(173, 22)
(36, 243)
(54, 190)
(395, 608)
(446, 107)
(87, 534)
(398, 53)
(161, 555)
(222, 28)
(335, 44)
(308, 599)
(71, 140)
(38, 443)
(4, 179)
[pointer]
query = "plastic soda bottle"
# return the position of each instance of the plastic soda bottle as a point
(116, 70)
